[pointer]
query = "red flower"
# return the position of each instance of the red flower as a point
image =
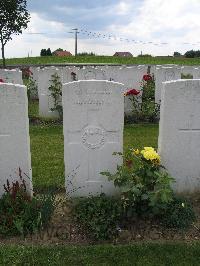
(129, 163)
(147, 77)
(1, 81)
(132, 92)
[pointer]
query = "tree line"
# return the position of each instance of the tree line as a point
(188, 54)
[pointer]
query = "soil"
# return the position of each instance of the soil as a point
(62, 230)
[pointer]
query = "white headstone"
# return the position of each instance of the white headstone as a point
(93, 119)
(46, 102)
(187, 70)
(196, 73)
(89, 73)
(179, 133)
(11, 76)
(14, 135)
(163, 74)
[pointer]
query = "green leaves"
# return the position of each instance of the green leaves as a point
(142, 183)
(100, 216)
(56, 93)
(14, 17)
(20, 214)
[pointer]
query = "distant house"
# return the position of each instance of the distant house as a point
(62, 53)
(123, 54)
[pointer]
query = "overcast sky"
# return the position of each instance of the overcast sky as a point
(157, 27)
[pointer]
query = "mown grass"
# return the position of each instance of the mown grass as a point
(139, 254)
(33, 109)
(101, 59)
(47, 148)
(47, 151)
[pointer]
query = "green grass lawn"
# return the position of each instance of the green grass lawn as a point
(47, 151)
(47, 148)
(139, 254)
(102, 59)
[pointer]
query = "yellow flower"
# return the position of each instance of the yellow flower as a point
(183, 205)
(150, 154)
(136, 152)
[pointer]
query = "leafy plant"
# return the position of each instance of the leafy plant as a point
(20, 213)
(56, 93)
(31, 87)
(143, 102)
(144, 185)
(179, 214)
(99, 215)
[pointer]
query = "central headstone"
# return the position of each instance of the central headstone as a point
(179, 133)
(93, 118)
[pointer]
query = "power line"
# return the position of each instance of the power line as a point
(109, 37)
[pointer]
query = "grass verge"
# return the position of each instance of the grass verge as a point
(147, 254)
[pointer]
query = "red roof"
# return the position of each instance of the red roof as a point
(123, 54)
(62, 53)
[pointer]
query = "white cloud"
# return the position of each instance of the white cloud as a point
(174, 22)
(169, 21)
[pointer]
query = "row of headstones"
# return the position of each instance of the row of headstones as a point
(131, 77)
(93, 129)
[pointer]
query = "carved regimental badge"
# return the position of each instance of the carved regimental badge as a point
(93, 137)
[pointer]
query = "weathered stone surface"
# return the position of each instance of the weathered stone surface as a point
(179, 133)
(14, 135)
(89, 73)
(163, 74)
(93, 117)
(13, 76)
(196, 73)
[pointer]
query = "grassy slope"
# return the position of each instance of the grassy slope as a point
(138, 254)
(102, 59)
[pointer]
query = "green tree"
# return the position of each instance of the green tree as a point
(43, 52)
(14, 17)
(177, 54)
(48, 53)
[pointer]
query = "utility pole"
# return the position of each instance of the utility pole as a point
(76, 40)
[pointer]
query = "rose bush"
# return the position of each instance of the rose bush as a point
(144, 184)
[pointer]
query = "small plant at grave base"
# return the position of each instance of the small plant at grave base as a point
(179, 214)
(31, 87)
(145, 188)
(21, 214)
(56, 93)
(99, 216)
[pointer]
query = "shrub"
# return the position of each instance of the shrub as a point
(179, 214)
(99, 215)
(145, 188)
(56, 93)
(20, 213)
(143, 103)
(31, 87)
